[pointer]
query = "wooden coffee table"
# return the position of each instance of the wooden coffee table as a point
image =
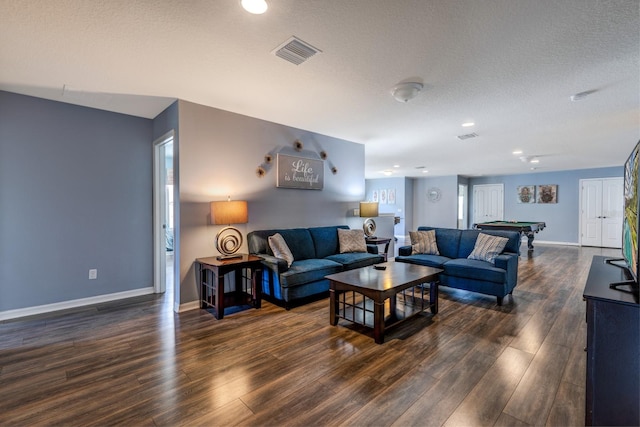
(374, 288)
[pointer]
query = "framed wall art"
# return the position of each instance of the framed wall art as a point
(299, 172)
(391, 196)
(383, 197)
(526, 194)
(547, 193)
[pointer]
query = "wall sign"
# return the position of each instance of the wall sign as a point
(299, 172)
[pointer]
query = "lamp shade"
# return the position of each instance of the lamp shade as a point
(368, 209)
(229, 212)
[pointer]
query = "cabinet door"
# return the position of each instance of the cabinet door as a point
(613, 359)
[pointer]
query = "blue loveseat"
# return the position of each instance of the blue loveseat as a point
(316, 253)
(474, 275)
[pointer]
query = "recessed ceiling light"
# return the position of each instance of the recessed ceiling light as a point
(256, 7)
(387, 172)
(534, 161)
(396, 166)
(425, 171)
(517, 152)
(468, 124)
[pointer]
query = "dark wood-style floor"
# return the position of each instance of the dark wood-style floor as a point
(135, 362)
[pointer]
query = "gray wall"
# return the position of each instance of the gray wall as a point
(562, 218)
(75, 194)
(219, 153)
(443, 213)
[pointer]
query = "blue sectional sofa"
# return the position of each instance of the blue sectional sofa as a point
(316, 253)
(474, 275)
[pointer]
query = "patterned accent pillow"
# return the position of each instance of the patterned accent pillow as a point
(488, 247)
(423, 242)
(351, 241)
(280, 249)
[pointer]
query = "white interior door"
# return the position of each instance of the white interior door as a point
(612, 212)
(488, 203)
(601, 208)
(591, 212)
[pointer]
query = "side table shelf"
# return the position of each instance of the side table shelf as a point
(247, 291)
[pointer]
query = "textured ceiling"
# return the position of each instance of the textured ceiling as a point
(510, 66)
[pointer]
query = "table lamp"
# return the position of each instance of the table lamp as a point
(229, 239)
(368, 210)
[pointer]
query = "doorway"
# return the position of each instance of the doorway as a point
(462, 207)
(163, 217)
(601, 211)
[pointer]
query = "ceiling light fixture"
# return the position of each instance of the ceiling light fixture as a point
(517, 152)
(468, 124)
(406, 91)
(387, 172)
(257, 7)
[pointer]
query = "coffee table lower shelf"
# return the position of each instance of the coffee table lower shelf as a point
(364, 296)
(360, 310)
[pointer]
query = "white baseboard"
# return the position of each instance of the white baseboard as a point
(64, 305)
(553, 243)
(193, 305)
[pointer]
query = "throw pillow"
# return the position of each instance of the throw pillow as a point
(280, 249)
(351, 241)
(488, 247)
(423, 242)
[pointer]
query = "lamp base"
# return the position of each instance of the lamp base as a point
(226, 257)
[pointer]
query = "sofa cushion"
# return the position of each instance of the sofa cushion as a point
(351, 241)
(487, 247)
(475, 269)
(308, 270)
(325, 240)
(300, 243)
(280, 249)
(424, 259)
(356, 259)
(447, 239)
(424, 242)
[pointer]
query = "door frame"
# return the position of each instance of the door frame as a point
(159, 201)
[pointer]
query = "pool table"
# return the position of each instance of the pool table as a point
(529, 228)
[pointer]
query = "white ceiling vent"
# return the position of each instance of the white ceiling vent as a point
(295, 51)
(467, 136)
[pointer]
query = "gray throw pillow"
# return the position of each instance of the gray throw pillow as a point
(488, 247)
(351, 241)
(423, 242)
(280, 249)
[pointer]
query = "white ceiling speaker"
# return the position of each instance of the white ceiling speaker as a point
(406, 91)
(256, 7)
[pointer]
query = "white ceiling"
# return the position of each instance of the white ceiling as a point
(510, 66)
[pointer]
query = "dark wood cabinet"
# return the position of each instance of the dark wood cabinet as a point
(613, 348)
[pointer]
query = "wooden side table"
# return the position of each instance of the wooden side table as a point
(211, 272)
(380, 241)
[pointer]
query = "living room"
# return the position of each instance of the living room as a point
(89, 171)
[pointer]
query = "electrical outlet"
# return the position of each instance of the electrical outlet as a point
(93, 274)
